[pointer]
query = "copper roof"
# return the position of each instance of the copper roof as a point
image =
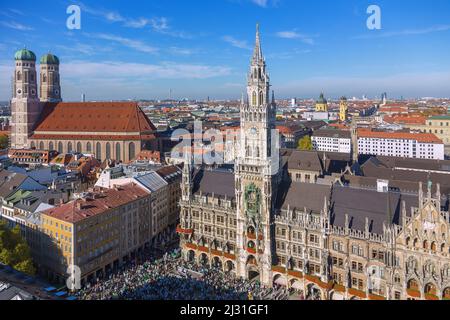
(94, 117)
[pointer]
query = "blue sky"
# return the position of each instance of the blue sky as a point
(199, 48)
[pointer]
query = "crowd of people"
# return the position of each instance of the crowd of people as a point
(171, 278)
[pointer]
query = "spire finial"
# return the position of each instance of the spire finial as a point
(257, 55)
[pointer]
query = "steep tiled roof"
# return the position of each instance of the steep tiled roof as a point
(94, 117)
(96, 203)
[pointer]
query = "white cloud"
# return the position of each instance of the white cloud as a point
(402, 84)
(261, 3)
(16, 26)
(157, 24)
(406, 32)
(16, 11)
(237, 43)
(293, 34)
(182, 51)
(131, 43)
(124, 70)
(120, 80)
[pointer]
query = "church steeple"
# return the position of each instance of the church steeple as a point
(257, 52)
(258, 112)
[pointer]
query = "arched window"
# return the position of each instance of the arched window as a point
(425, 245)
(412, 284)
(33, 145)
(79, 148)
(19, 76)
(261, 98)
(44, 77)
(108, 151)
(60, 147)
(41, 146)
(69, 147)
(446, 294)
(88, 147)
(50, 146)
(118, 153)
(254, 98)
(131, 151)
(98, 151)
(430, 288)
(408, 241)
(433, 246)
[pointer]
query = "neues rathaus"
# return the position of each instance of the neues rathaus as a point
(265, 219)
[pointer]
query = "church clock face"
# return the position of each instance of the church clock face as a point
(253, 131)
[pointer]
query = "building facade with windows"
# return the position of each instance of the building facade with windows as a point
(326, 241)
(400, 144)
(332, 141)
(97, 232)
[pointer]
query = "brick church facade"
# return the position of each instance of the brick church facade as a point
(109, 130)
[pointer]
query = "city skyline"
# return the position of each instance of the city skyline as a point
(146, 51)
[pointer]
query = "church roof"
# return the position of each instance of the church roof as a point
(49, 59)
(99, 117)
(322, 99)
(218, 182)
(25, 55)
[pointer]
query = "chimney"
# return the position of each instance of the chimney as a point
(382, 186)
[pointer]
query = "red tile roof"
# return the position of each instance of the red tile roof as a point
(94, 117)
(92, 137)
(96, 203)
(406, 119)
(420, 137)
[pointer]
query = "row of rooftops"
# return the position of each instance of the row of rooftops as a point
(355, 195)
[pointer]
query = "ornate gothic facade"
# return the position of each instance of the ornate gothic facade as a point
(326, 241)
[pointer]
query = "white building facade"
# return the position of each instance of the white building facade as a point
(332, 141)
(400, 144)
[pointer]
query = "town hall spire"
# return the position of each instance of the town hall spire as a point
(257, 53)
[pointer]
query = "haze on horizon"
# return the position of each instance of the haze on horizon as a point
(202, 48)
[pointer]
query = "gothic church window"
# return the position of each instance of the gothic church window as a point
(254, 98)
(118, 155)
(108, 151)
(132, 151)
(98, 150)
